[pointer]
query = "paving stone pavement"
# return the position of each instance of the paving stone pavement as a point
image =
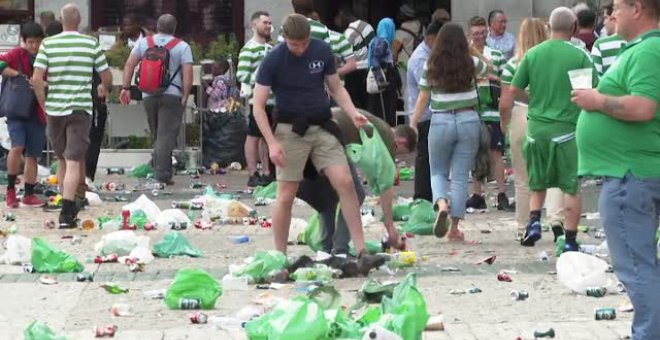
(73, 309)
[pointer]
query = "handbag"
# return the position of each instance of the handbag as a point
(372, 84)
(17, 99)
(481, 169)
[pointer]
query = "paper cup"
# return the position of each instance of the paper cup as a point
(581, 79)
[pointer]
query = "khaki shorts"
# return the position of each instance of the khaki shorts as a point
(318, 145)
(69, 135)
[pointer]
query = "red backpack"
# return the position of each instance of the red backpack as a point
(153, 77)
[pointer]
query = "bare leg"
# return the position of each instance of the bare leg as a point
(265, 160)
(251, 153)
(497, 166)
(61, 171)
(14, 160)
(536, 199)
(286, 193)
(71, 179)
(30, 170)
(340, 178)
(572, 210)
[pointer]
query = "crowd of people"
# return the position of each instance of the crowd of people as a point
(470, 95)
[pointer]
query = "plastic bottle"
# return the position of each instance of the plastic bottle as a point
(239, 239)
(226, 323)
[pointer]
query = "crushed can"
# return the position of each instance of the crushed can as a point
(10, 217)
(519, 295)
(504, 277)
(188, 304)
(120, 198)
(197, 185)
(474, 290)
(27, 268)
(550, 333)
(604, 314)
(107, 259)
(85, 277)
(149, 226)
(105, 331)
(596, 291)
(50, 224)
(155, 192)
(199, 224)
(115, 171)
(199, 318)
(260, 202)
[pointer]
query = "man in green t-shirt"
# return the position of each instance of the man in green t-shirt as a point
(317, 191)
(550, 146)
(618, 138)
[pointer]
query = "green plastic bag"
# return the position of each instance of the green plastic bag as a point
(561, 242)
(38, 330)
(53, 168)
(372, 247)
(175, 244)
(406, 174)
(269, 191)
(313, 236)
(326, 296)
(48, 259)
(373, 291)
(142, 171)
(319, 272)
(194, 284)
(405, 313)
(401, 212)
(298, 318)
(422, 217)
(375, 161)
(370, 316)
(264, 263)
(340, 326)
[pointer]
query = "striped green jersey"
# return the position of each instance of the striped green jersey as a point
(70, 59)
(344, 49)
(605, 51)
(249, 59)
(488, 110)
(321, 32)
(508, 72)
(441, 101)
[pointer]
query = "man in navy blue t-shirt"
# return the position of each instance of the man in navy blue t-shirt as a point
(299, 71)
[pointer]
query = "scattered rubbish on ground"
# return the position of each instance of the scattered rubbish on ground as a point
(48, 259)
(105, 331)
(193, 289)
(549, 333)
(504, 277)
(175, 244)
(114, 288)
(121, 309)
(604, 314)
(579, 272)
(38, 330)
(47, 280)
(519, 295)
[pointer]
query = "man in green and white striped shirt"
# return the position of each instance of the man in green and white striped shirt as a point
(344, 54)
(490, 115)
(249, 60)
(606, 49)
(69, 59)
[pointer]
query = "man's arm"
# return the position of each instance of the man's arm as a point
(275, 151)
(187, 77)
(129, 69)
(629, 108)
(386, 201)
(245, 69)
(349, 66)
(506, 104)
(39, 86)
(340, 95)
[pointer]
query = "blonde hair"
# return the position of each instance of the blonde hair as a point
(532, 32)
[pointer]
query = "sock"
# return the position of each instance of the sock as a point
(570, 236)
(80, 191)
(11, 181)
(535, 216)
(68, 207)
(29, 189)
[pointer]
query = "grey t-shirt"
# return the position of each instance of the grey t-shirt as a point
(179, 55)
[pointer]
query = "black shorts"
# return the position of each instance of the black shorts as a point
(497, 142)
(253, 128)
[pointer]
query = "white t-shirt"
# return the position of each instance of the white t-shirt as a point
(407, 39)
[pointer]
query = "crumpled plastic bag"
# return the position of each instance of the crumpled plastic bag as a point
(263, 263)
(421, 219)
(373, 291)
(269, 191)
(19, 250)
(175, 244)
(172, 216)
(48, 259)
(341, 326)
(579, 271)
(401, 212)
(215, 207)
(406, 174)
(298, 318)
(405, 313)
(142, 171)
(94, 199)
(38, 330)
(319, 272)
(120, 242)
(374, 160)
(313, 235)
(193, 284)
(143, 255)
(144, 204)
(296, 230)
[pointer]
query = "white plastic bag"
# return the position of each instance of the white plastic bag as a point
(143, 254)
(146, 205)
(120, 242)
(94, 199)
(579, 271)
(171, 216)
(297, 227)
(19, 250)
(380, 333)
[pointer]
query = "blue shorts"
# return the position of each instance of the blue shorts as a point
(30, 134)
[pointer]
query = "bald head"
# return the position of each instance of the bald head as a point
(166, 24)
(70, 17)
(562, 20)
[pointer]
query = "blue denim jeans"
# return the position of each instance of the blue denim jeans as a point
(629, 208)
(453, 143)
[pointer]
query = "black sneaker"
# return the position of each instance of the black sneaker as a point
(68, 222)
(254, 180)
(366, 262)
(477, 202)
(265, 180)
(503, 202)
